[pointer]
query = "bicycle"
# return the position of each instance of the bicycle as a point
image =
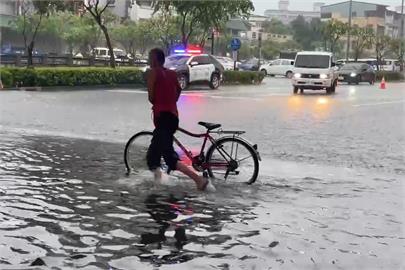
(221, 158)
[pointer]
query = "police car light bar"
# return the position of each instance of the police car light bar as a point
(194, 51)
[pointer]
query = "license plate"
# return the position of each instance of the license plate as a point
(341, 78)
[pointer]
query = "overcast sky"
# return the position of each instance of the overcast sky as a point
(262, 5)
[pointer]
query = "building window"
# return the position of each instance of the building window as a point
(254, 36)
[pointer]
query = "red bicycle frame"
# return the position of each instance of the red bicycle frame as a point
(206, 137)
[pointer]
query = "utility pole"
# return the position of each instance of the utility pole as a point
(402, 36)
(349, 32)
(260, 48)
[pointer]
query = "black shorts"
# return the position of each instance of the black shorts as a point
(162, 142)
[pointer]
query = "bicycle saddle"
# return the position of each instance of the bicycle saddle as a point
(209, 126)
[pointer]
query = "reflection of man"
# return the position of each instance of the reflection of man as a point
(164, 91)
(163, 211)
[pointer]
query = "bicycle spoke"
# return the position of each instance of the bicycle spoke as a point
(240, 160)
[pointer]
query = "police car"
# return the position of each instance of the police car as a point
(195, 68)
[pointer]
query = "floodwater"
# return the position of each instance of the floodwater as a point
(68, 202)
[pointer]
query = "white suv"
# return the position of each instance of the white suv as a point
(315, 71)
(283, 67)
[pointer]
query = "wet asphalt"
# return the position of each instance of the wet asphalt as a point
(329, 194)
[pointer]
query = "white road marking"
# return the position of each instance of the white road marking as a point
(277, 95)
(128, 91)
(379, 103)
(237, 98)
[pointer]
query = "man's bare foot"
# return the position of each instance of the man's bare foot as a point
(205, 185)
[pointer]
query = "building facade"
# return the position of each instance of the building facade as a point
(141, 10)
(286, 16)
(374, 16)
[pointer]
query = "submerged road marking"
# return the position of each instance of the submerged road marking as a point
(379, 103)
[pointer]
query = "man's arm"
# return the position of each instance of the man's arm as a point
(151, 81)
(178, 88)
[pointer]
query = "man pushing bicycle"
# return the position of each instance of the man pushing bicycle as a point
(164, 92)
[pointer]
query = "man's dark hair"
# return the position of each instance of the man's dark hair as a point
(160, 55)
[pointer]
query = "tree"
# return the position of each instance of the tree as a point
(332, 32)
(33, 12)
(275, 26)
(306, 34)
(395, 48)
(144, 36)
(382, 47)
(99, 15)
(126, 35)
(362, 39)
(204, 14)
(165, 28)
(81, 33)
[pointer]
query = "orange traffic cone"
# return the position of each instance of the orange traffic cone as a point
(382, 84)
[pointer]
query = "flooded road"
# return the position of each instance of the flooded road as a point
(66, 200)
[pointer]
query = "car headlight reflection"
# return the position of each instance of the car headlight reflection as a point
(353, 74)
(297, 75)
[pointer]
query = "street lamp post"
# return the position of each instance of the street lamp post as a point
(349, 31)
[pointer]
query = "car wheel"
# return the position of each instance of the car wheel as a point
(183, 81)
(264, 72)
(215, 81)
(332, 89)
(289, 74)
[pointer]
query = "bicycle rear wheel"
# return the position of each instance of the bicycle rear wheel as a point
(136, 150)
(232, 159)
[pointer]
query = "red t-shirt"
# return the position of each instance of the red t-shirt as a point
(166, 92)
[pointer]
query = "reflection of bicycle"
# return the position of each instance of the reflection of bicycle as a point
(228, 157)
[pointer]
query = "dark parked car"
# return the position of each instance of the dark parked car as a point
(357, 73)
(251, 65)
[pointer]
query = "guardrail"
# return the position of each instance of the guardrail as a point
(66, 60)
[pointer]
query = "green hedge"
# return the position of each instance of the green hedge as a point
(12, 77)
(390, 76)
(243, 77)
(6, 78)
(87, 76)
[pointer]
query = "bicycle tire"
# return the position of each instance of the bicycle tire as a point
(220, 142)
(130, 163)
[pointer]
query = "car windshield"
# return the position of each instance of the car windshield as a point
(252, 62)
(312, 61)
(176, 60)
(119, 53)
(351, 67)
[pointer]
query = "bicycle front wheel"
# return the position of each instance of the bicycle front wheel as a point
(136, 150)
(232, 159)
